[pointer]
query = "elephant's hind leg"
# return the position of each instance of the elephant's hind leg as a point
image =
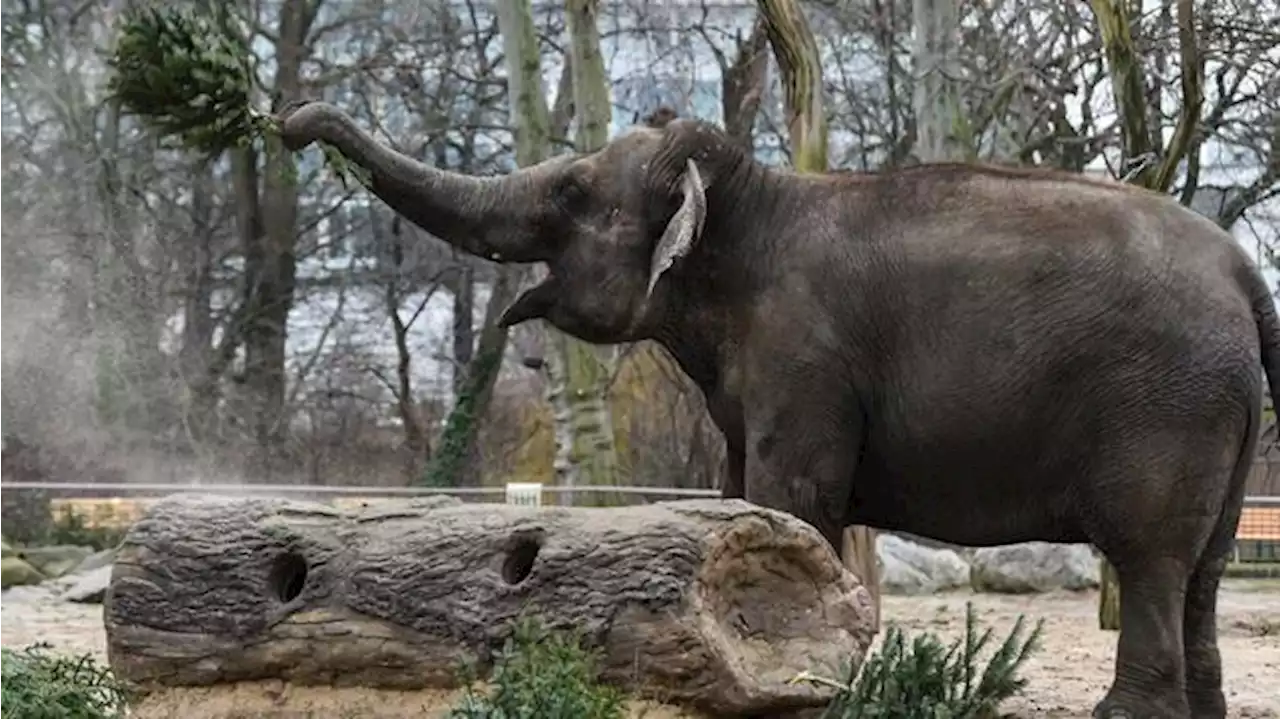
(1200, 637)
(1159, 510)
(1150, 676)
(1200, 620)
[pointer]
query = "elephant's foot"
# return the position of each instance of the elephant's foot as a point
(1207, 704)
(1117, 706)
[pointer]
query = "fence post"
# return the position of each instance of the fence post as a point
(1108, 597)
(860, 558)
(528, 494)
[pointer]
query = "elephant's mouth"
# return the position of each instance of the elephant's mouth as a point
(533, 304)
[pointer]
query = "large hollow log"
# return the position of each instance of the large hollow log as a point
(708, 604)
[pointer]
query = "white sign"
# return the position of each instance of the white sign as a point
(525, 493)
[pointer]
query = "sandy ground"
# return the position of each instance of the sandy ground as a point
(1066, 677)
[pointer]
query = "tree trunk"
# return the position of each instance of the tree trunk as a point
(266, 329)
(801, 69)
(464, 334)
(393, 272)
(456, 458)
(578, 373)
(941, 133)
(1144, 162)
(742, 85)
(198, 323)
(131, 388)
(1108, 597)
(456, 461)
(704, 603)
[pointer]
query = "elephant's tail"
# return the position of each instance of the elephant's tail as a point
(1222, 538)
(1264, 314)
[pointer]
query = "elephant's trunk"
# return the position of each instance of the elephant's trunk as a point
(492, 217)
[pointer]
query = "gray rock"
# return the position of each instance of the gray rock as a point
(1034, 567)
(105, 558)
(56, 560)
(89, 587)
(910, 568)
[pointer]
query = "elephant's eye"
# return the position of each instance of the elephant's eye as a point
(571, 194)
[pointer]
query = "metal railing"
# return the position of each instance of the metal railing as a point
(322, 489)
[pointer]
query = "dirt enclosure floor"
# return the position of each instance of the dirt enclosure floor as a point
(1066, 677)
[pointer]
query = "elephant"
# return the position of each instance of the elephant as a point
(969, 352)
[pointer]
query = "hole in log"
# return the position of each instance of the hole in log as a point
(522, 552)
(288, 576)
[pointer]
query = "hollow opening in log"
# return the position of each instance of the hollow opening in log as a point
(288, 576)
(522, 552)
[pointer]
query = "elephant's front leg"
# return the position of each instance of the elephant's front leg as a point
(735, 480)
(726, 412)
(800, 459)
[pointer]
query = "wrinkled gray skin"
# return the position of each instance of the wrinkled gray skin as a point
(979, 355)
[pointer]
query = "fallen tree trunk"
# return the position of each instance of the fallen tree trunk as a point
(709, 604)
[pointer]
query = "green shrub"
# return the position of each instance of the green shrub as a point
(929, 680)
(71, 528)
(541, 675)
(38, 684)
(67, 528)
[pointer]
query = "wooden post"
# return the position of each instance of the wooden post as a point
(860, 558)
(1109, 597)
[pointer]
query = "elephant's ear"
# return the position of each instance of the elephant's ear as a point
(685, 226)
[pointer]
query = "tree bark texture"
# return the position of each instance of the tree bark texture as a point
(456, 461)
(1151, 165)
(742, 85)
(273, 256)
(941, 125)
(1108, 597)
(801, 68)
(709, 604)
(578, 373)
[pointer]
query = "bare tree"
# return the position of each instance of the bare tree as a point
(455, 459)
(938, 113)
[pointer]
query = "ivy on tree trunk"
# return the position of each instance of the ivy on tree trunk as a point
(454, 461)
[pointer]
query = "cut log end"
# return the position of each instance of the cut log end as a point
(703, 603)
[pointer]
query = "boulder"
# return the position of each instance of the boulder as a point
(88, 587)
(713, 605)
(6, 550)
(56, 560)
(1034, 567)
(17, 572)
(910, 568)
(104, 558)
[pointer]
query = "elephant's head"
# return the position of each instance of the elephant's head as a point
(608, 224)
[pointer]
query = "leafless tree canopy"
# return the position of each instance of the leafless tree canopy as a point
(175, 318)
